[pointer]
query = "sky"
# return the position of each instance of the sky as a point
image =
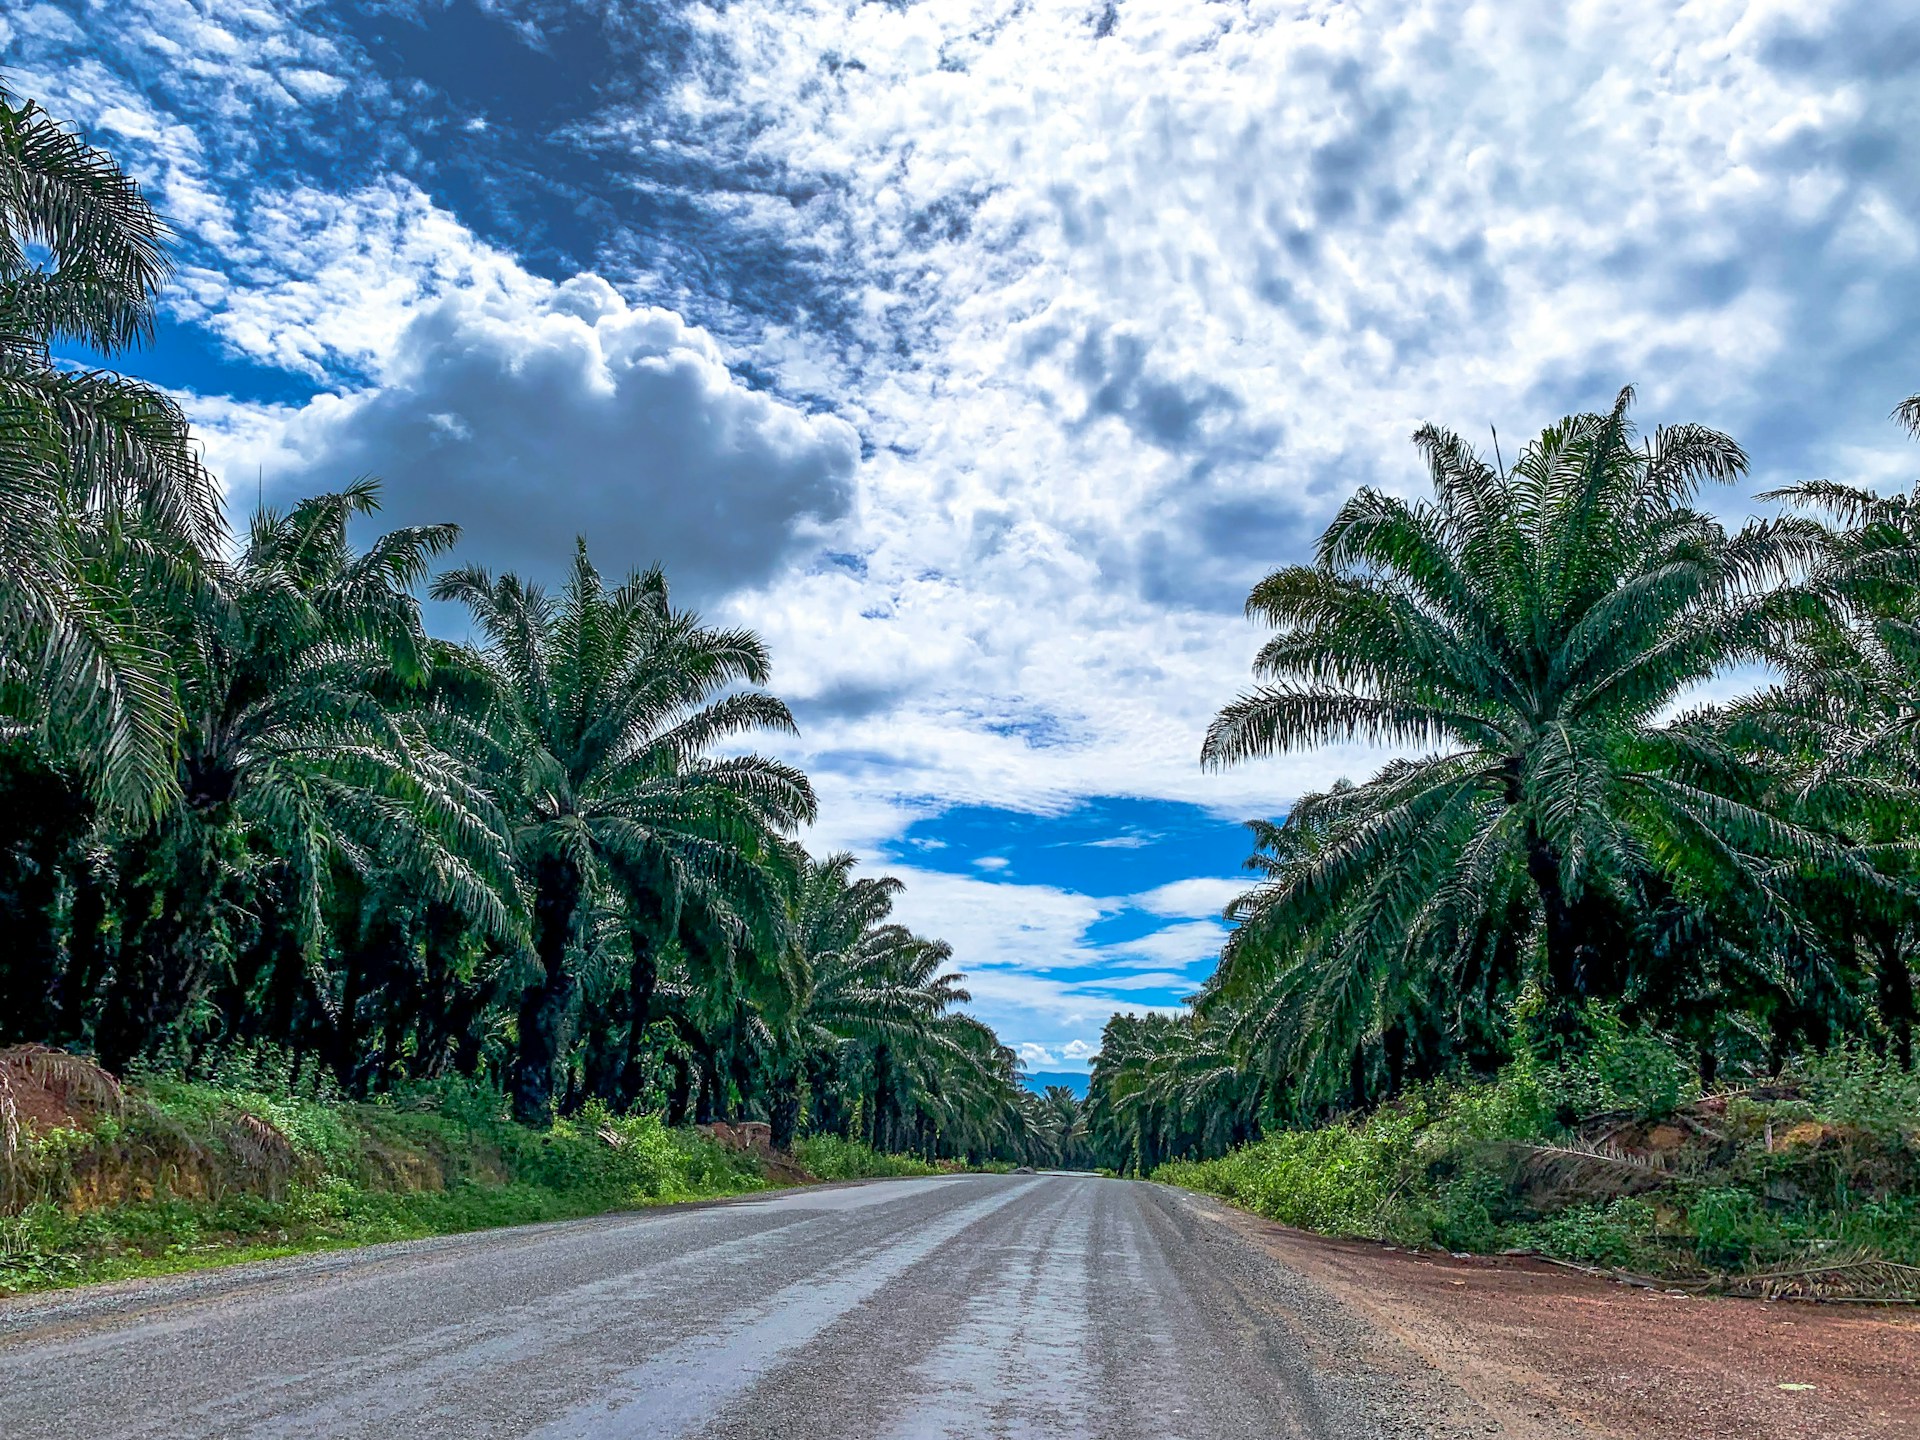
(981, 354)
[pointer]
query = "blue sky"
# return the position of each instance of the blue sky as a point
(982, 353)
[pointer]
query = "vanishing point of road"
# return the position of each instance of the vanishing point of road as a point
(964, 1306)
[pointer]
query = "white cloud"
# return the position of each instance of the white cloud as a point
(1134, 312)
(1191, 898)
(1187, 944)
(533, 413)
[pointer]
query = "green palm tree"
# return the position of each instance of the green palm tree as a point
(608, 707)
(306, 746)
(1525, 631)
(852, 981)
(105, 510)
(1836, 741)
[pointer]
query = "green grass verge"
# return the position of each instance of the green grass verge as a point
(1819, 1172)
(831, 1158)
(194, 1175)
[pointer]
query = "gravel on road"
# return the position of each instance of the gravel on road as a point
(964, 1306)
(971, 1306)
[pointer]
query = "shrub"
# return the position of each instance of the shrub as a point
(1613, 1233)
(1855, 1087)
(832, 1158)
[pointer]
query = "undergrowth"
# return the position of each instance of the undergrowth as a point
(185, 1174)
(831, 1158)
(1818, 1170)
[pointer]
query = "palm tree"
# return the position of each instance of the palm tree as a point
(1836, 740)
(607, 708)
(305, 747)
(105, 510)
(856, 980)
(1525, 630)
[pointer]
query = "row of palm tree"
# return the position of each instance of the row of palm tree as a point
(247, 800)
(1570, 836)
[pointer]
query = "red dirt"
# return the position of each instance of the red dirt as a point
(1542, 1351)
(41, 1107)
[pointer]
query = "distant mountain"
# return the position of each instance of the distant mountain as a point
(1074, 1080)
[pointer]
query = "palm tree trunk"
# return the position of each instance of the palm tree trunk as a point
(882, 1094)
(165, 961)
(544, 1003)
(86, 950)
(783, 1109)
(1562, 1029)
(645, 983)
(680, 1100)
(1896, 995)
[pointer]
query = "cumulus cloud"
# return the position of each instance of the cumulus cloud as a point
(1132, 297)
(544, 412)
(1193, 898)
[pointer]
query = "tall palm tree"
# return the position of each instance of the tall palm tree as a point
(305, 746)
(608, 707)
(1525, 631)
(855, 978)
(105, 509)
(1837, 739)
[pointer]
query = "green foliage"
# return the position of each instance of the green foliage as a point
(1615, 1068)
(1856, 1087)
(831, 1158)
(1613, 1233)
(1831, 1169)
(357, 1174)
(1343, 1179)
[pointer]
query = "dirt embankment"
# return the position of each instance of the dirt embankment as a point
(1538, 1351)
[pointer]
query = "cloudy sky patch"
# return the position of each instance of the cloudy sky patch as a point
(982, 353)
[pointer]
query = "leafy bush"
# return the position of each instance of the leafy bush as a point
(434, 1160)
(1855, 1087)
(1825, 1166)
(831, 1158)
(1340, 1180)
(1614, 1233)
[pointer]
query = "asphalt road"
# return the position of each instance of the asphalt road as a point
(969, 1306)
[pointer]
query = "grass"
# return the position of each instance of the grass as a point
(189, 1175)
(831, 1158)
(1817, 1173)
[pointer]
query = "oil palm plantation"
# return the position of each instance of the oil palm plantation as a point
(608, 707)
(1525, 633)
(306, 690)
(105, 510)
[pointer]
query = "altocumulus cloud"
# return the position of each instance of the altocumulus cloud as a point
(537, 412)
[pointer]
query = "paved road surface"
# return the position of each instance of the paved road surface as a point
(970, 1306)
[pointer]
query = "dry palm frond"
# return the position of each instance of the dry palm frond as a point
(9, 1122)
(73, 1077)
(1861, 1278)
(1600, 1167)
(263, 1146)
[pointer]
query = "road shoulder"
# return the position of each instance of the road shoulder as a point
(1534, 1352)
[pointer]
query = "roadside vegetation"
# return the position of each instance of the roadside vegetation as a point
(172, 1174)
(250, 808)
(1597, 967)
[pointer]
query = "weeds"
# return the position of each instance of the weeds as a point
(831, 1158)
(241, 1166)
(1655, 1177)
